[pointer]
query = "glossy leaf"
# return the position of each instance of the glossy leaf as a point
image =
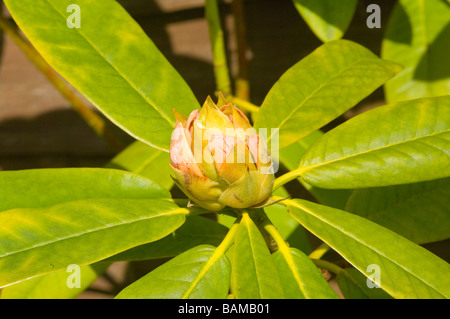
(145, 160)
(353, 285)
(46, 187)
(328, 19)
(254, 275)
(54, 285)
(400, 143)
(111, 61)
(300, 278)
(419, 211)
(196, 230)
(418, 37)
(36, 241)
(319, 88)
(194, 274)
(406, 269)
(290, 157)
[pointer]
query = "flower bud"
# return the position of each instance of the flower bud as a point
(219, 160)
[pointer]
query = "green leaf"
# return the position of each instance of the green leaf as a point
(328, 19)
(54, 285)
(146, 161)
(36, 241)
(319, 88)
(400, 143)
(111, 61)
(254, 275)
(195, 231)
(300, 278)
(290, 157)
(353, 285)
(419, 211)
(418, 37)
(47, 187)
(195, 274)
(406, 269)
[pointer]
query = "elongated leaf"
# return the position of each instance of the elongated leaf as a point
(418, 37)
(111, 61)
(406, 269)
(195, 274)
(328, 19)
(353, 285)
(319, 88)
(300, 278)
(54, 285)
(195, 231)
(35, 241)
(419, 212)
(254, 275)
(400, 143)
(145, 160)
(290, 157)
(46, 187)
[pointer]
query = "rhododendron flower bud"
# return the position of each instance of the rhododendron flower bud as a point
(219, 160)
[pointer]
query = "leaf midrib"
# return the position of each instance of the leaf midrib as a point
(296, 204)
(145, 98)
(148, 161)
(287, 253)
(248, 222)
(306, 99)
(309, 167)
(178, 211)
(215, 257)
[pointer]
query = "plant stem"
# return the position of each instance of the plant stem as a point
(243, 104)
(260, 218)
(221, 72)
(283, 179)
(284, 248)
(327, 265)
(88, 115)
(242, 87)
(319, 251)
(273, 231)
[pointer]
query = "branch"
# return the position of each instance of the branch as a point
(223, 82)
(242, 86)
